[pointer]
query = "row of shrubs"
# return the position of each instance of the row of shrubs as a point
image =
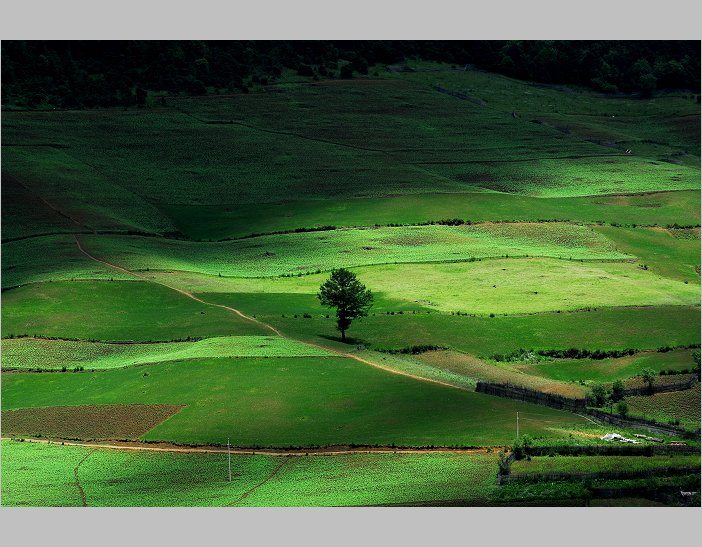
(65, 339)
(570, 353)
(414, 350)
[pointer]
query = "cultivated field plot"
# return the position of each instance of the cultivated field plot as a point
(25, 214)
(464, 364)
(40, 474)
(610, 328)
(290, 402)
(482, 287)
(49, 259)
(90, 422)
(594, 464)
(609, 370)
(204, 222)
(35, 353)
(681, 406)
(307, 252)
(95, 310)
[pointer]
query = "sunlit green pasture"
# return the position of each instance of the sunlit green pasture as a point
(50, 258)
(118, 310)
(292, 402)
(42, 475)
(557, 177)
(221, 221)
(478, 370)
(608, 370)
(488, 286)
(672, 253)
(682, 406)
(606, 328)
(24, 353)
(307, 252)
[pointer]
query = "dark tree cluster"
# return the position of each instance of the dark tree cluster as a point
(75, 74)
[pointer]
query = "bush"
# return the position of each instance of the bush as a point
(622, 409)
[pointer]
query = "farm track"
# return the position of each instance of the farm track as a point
(213, 449)
(83, 497)
(266, 325)
(49, 205)
(264, 481)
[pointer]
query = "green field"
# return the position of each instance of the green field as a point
(608, 328)
(33, 353)
(39, 474)
(597, 464)
(676, 406)
(214, 221)
(308, 252)
(105, 310)
(486, 215)
(292, 402)
(609, 370)
(489, 286)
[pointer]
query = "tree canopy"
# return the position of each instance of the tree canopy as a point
(348, 295)
(79, 73)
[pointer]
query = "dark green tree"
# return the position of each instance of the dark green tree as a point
(617, 391)
(348, 295)
(622, 409)
(598, 395)
(648, 376)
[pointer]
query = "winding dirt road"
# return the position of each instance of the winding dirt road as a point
(302, 452)
(265, 325)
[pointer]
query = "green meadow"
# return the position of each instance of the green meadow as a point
(27, 353)
(609, 370)
(293, 402)
(111, 310)
(40, 474)
(205, 222)
(508, 215)
(308, 252)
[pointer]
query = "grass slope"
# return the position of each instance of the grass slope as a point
(42, 475)
(489, 286)
(24, 353)
(104, 310)
(292, 402)
(613, 328)
(218, 221)
(608, 370)
(308, 252)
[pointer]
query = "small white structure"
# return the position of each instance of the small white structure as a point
(618, 437)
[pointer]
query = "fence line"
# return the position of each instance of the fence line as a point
(531, 396)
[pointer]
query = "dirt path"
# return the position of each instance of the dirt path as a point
(49, 205)
(264, 481)
(330, 451)
(266, 325)
(83, 497)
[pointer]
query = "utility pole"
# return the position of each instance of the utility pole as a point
(229, 458)
(517, 425)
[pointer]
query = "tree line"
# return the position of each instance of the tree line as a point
(76, 74)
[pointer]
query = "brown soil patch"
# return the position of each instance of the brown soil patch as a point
(88, 422)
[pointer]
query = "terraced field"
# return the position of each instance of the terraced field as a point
(677, 406)
(292, 402)
(39, 474)
(37, 353)
(486, 215)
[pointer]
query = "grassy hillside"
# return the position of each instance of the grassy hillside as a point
(293, 402)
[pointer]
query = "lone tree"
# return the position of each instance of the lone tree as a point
(648, 376)
(348, 295)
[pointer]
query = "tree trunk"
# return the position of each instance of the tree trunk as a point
(343, 335)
